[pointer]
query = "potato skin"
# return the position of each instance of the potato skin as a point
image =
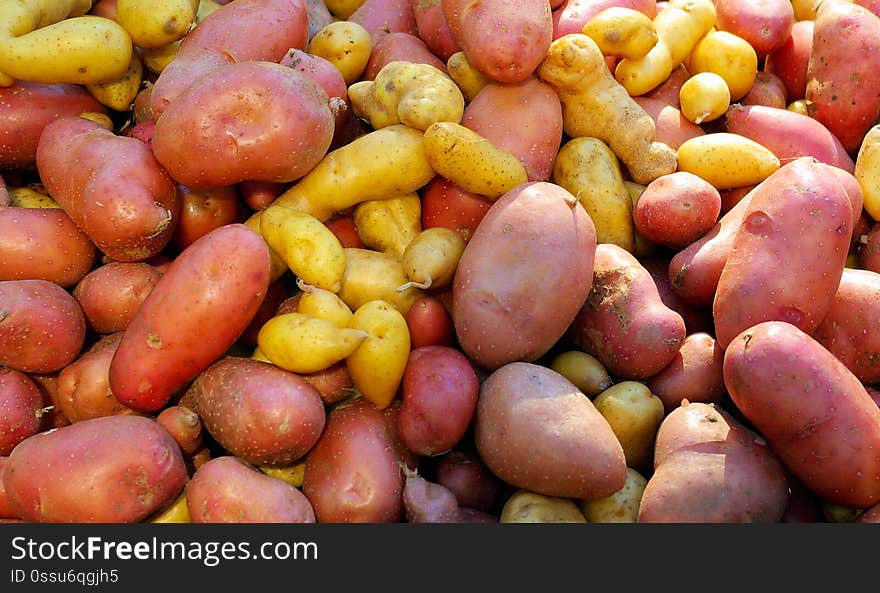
(676, 209)
(256, 411)
(813, 411)
(20, 402)
(111, 294)
(203, 302)
(523, 275)
(43, 326)
(623, 322)
(765, 24)
(535, 430)
(116, 469)
(695, 374)
(228, 490)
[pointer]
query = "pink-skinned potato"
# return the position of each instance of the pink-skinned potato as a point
(813, 411)
(790, 61)
(466, 475)
(671, 127)
(535, 430)
(696, 319)
(695, 374)
(398, 45)
(433, 29)
(768, 89)
(115, 469)
(111, 294)
(428, 502)
(6, 511)
(676, 209)
(20, 404)
(245, 121)
(227, 489)
(523, 276)
(572, 15)
(381, 17)
(765, 24)
(195, 312)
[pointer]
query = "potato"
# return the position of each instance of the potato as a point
(197, 310)
(446, 205)
(464, 473)
(766, 24)
(710, 468)
(804, 217)
(535, 430)
(6, 511)
(21, 403)
(584, 370)
(428, 502)
(381, 17)
(346, 45)
(257, 412)
(676, 209)
(184, 425)
(353, 474)
(634, 414)
(695, 374)
(572, 15)
(398, 45)
(729, 56)
(373, 275)
(111, 294)
(152, 24)
(430, 323)
(623, 322)
(534, 237)
(813, 411)
(43, 326)
(202, 211)
(696, 318)
(116, 469)
(470, 80)
(620, 507)
(790, 61)
(622, 32)
(388, 225)
(229, 490)
(768, 90)
(867, 171)
(531, 507)
(431, 258)
(302, 343)
(671, 126)
(119, 93)
(333, 383)
(726, 160)
(704, 97)
(433, 29)
(503, 39)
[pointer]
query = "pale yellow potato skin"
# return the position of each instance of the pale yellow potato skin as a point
(727, 160)
(643, 247)
(867, 171)
(342, 9)
(277, 266)
(346, 45)
(377, 365)
(621, 31)
(585, 371)
(634, 414)
(120, 94)
(729, 56)
(470, 80)
(26, 197)
(471, 161)
(292, 474)
(154, 24)
(157, 58)
(389, 225)
(704, 97)
(318, 302)
(530, 507)
(620, 507)
(373, 275)
(176, 513)
(431, 259)
(301, 343)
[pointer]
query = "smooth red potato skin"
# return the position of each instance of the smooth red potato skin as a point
(696, 319)
(228, 490)
(465, 474)
(381, 17)
(765, 24)
(768, 89)
(43, 244)
(433, 29)
(256, 411)
(695, 374)
(531, 238)
(676, 209)
(202, 211)
(813, 411)
(6, 511)
(200, 306)
(111, 186)
(43, 327)
(430, 324)
(789, 62)
(111, 294)
(20, 403)
(445, 204)
(115, 469)
(28, 107)
(623, 322)
(184, 425)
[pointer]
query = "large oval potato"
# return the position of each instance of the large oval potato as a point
(536, 431)
(523, 275)
(115, 469)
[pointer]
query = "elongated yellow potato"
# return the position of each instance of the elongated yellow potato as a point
(120, 94)
(432, 257)
(304, 344)
(622, 31)
(157, 58)
(154, 24)
(377, 365)
(470, 80)
(318, 302)
(389, 225)
(867, 171)
(726, 160)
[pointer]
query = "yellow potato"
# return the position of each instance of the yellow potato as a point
(471, 161)
(373, 275)
(258, 355)
(726, 160)
(157, 58)
(432, 257)
(377, 365)
(378, 165)
(120, 94)
(470, 80)
(704, 97)
(729, 56)
(621, 31)
(389, 225)
(801, 106)
(277, 266)
(409, 93)
(342, 9)
(176, 513)
(589, 169)
(346, 45)
(292, 474)
(318, 302)
(152, 23)
(101, 119)
(620, 507)
(634, 414)
(585, 371)
(309, 248)
(643, 247)
(530, 507)
(28, 197)
(305, 344)
(867, 171)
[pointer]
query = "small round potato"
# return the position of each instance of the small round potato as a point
(634, 414)
(345, 44)
(530, 507)
(620, 507)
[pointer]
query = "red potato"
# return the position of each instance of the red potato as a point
(813, 411)
(765, 24)
(6, 511)
(111, 186)
(28, 107)
(353, 474)
(802, 217)
(430, 324)
(198, 309)
(623, 322)
(143, 131)
(400, 46)
(257, 411)
(572, 15)
(319, 16)
(535, 430)
(83, 385)
(104, 8)
(696, 319)
(43, 244)
(328, 77)
(669, 91)
(202, 211)
(51, 411)
(731, 197)
(535, 236)
(670, 125)
(843, 63)
(343, 226)
(276, 293)
(695, 374)
(116, 469)
(524, 119)
(20, 405)
(504, 39)
(872, 5)
(465, 474)
(676, 209)
(257, 195)
(228, 490)
(433, 29)
(111, 294)
(440, 390)
(334, 383)
(790, 61)
(380, 17)
(248, 120)
(709, 468)
(788, 134)
(849, 329)
(43, 328)
(429, 502)
(871, 515)
(184, 425)
(768, 89)
(244, 30)
(445, 204)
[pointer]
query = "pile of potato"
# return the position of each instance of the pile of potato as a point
(439, 261)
